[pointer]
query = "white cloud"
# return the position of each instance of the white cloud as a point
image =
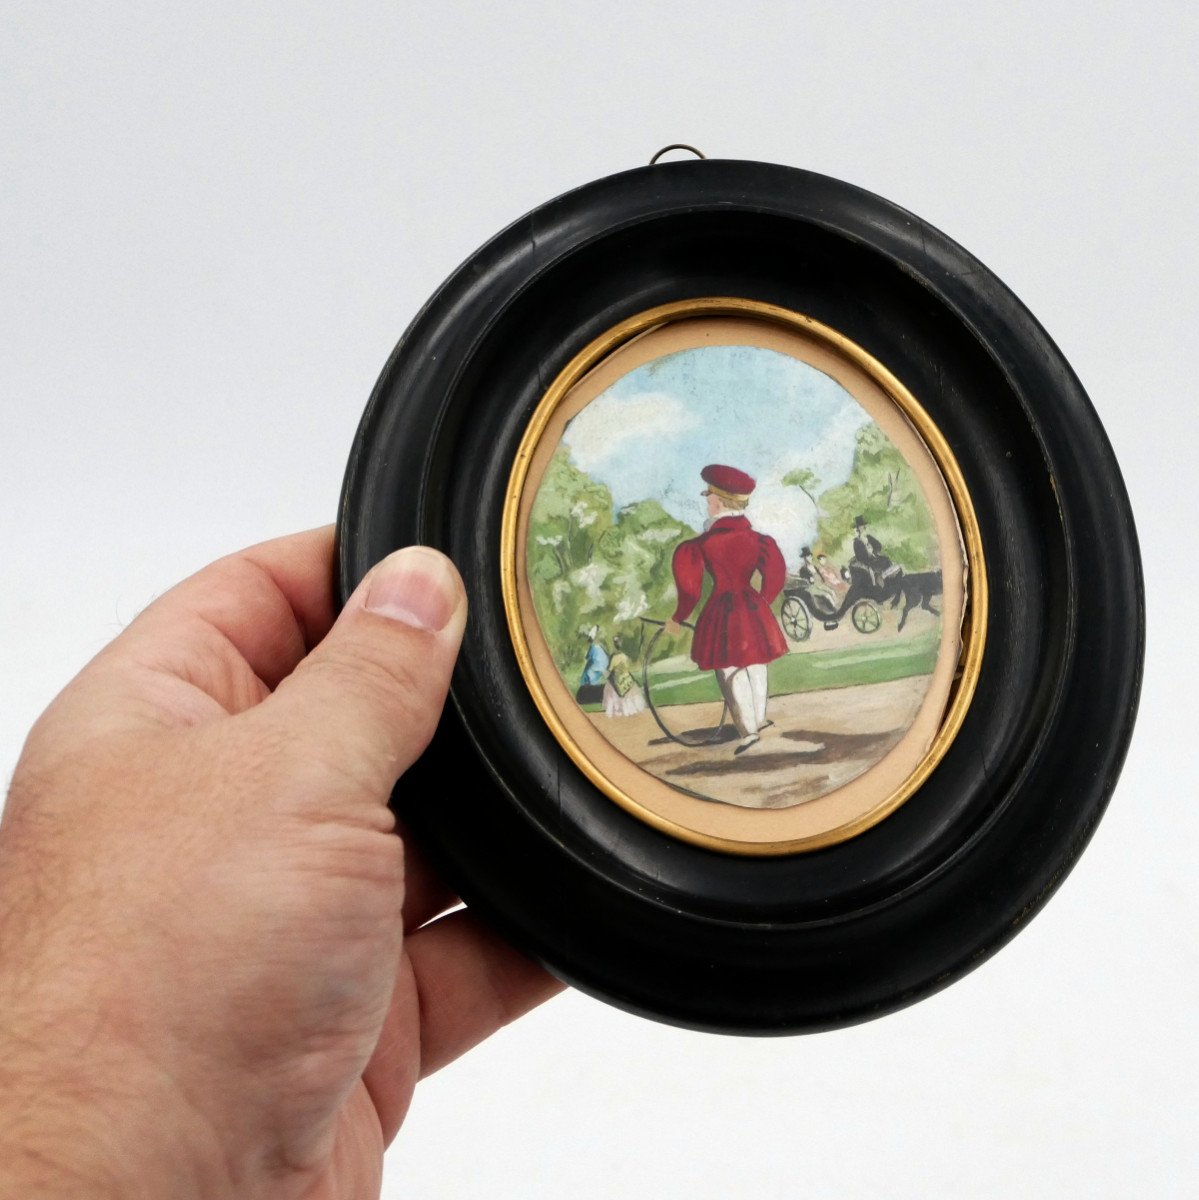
(786, 514)
(598, 432)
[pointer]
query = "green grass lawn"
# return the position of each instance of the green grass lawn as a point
(677, 681)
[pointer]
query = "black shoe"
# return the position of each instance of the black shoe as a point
(746, 745)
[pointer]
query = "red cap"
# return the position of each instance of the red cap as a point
(728, 480)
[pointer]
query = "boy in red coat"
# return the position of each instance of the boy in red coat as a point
(736, 634)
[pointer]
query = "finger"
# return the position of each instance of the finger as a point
(368, 698)
(457, 984)
(426, 894)
(270, 603)
(470, 983)
(214, 644)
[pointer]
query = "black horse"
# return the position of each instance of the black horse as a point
(917, 590)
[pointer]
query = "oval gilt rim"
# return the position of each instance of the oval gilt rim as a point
(974, 620)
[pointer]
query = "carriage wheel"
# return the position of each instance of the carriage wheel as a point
(796, 621)
(865, 616)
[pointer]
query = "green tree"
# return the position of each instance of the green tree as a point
(588, 566)
(638, 550)
(806, 481)
(882, 488)
(570, 514)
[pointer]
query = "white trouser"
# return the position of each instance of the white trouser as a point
(744, 691)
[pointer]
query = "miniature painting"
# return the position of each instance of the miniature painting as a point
(738, 575)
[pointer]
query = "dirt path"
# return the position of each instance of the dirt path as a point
(819, 741)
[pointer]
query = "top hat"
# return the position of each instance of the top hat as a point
(858, 522)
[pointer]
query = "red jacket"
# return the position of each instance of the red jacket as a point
(736, 627)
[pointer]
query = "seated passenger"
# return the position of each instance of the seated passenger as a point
(810, 576)
(830, 577)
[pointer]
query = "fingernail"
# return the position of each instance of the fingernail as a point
(416, 586)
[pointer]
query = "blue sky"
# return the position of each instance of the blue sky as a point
(649, 435)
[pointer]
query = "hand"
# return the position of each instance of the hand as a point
(673, 628)
(217, 975)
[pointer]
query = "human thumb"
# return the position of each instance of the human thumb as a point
(367, 699)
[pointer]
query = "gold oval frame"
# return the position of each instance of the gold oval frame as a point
(974, 620)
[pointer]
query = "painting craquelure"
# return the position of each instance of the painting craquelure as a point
(737, 573)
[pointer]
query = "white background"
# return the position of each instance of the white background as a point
(215, 221)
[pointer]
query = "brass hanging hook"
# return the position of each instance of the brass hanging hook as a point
(676, 146)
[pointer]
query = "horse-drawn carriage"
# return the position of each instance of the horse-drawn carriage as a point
(804, 603)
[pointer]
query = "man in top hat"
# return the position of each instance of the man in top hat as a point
(736, 634)
(868, 551)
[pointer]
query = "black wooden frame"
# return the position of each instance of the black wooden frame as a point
(818, 939)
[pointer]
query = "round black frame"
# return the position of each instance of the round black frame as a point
(818, 939)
